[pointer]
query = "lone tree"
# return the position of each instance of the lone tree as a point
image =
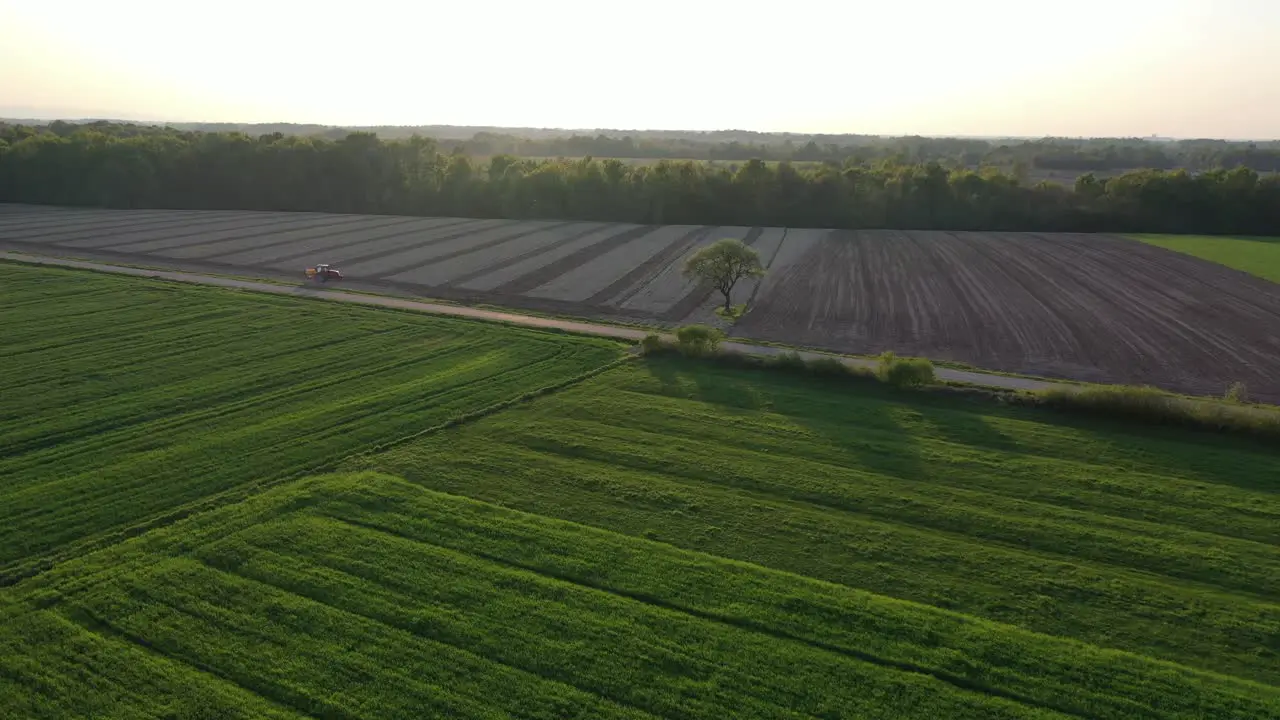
(722, 264)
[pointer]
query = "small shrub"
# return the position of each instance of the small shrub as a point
(652, 343)
(905, 372)
(789, 360)
(828, 366)
(1237, 393)
(698, 340)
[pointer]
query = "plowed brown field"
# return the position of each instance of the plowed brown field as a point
(1088, 307)
(1084, 307)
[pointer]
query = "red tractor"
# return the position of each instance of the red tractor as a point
(324, 273)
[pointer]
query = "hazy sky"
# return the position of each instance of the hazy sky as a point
(1187, 68)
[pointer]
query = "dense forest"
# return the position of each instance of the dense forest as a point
(119, 165)
(1050, 154)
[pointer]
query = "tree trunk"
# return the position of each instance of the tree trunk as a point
(727, 306)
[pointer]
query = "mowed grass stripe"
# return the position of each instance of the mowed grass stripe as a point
(71, 487)
(342, 574)
(1013, 470)
(128, 420)
(45, 660)
(1042, 527)
(633, 652)
(149, 404)
(901, 552)
(297, 651)
(902, 635)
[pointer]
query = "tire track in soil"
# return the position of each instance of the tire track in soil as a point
(1176, 309)
(254, 229)
(1001, 273)
(504, 264)
(1118, 310)
(1052, 277)
(325, 231)
(1141, 331)
(553, 270)
(377, 238)
(378, 255)
(1126, 315)
(1264, 295)
(787, 305)
(73, 221)
(485, 246)
(649, 267)
(95, 228)
(768, 266)
(342, 223)
(941, 313)
(683, 307)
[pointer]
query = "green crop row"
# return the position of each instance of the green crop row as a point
(1152, 541)
(125, 399)
(364, 596)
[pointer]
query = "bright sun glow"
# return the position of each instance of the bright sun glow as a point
(1186, 68)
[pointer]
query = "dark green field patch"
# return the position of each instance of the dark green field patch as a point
(368, 596)
(124, 399)
(1154, 542)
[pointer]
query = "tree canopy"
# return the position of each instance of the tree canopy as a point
(111, 165)
(722, 264)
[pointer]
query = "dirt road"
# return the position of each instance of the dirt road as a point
(596, 329)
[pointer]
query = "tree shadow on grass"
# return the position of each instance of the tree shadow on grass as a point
(879, 428)
(1207, 456)
(867, 434)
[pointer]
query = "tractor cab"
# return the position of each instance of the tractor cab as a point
(324, 271)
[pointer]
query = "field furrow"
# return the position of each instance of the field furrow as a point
(422, 270)
(708, 459)
(297, 246)
(190, 392)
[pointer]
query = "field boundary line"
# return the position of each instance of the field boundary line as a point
(22, 570)
(549, 324)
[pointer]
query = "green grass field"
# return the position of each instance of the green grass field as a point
(124, 400)
(661, 539)
(1254, 255)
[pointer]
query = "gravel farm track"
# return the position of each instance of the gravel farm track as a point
(1084, 307)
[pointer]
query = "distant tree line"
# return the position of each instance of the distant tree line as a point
(1107, 155)
(122, 166)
